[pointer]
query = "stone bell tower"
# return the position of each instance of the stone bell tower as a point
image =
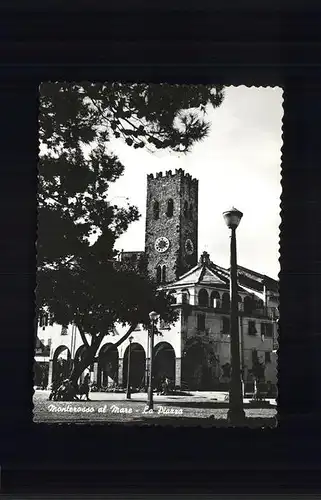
(171, 225)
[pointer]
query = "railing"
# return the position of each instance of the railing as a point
(266, 312)
(263, 312)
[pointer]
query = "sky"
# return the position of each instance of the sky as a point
(238, 164)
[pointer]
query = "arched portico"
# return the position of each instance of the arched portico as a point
(199, 366)
(137, 366)
(61, 364)
(107, 366)
(164, 363)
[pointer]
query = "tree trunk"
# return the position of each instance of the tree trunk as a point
(89, 355)
(79, 367)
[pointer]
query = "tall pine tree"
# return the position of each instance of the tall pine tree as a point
(78, 279)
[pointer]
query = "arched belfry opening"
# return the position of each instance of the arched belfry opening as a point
(156, 210)
(161, 271)
(170, 208)
(203, 298)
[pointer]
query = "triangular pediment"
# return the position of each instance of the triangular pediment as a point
(210, 277)
(190, 278)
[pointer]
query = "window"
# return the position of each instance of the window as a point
(226, 325)
(172, 297)
(64, 330)
(185, 297)
(267, 330)
(190, 212)
(170, 208)
(201, 322)
(185, 209)
(156, 210)
(252, 328)
(43, 320)
(203, 298)
(248, 306)
(163, 274)
(158, 274)
(267, 357)
(255, 358)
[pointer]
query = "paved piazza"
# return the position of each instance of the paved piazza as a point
(168, 410)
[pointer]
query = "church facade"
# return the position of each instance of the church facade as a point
(195, 351)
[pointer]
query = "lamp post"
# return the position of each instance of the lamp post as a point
(153, 316)
(128, 394)
(236, 412)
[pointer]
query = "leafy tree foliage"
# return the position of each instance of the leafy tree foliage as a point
(78, 278)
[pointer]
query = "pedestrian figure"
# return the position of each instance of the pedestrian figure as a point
(165, 386)
(54, 388)
(61, 392)
(66, 392)
(44, 381)
(159, 386)
(84, 387)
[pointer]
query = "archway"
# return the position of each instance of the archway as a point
(196, 373)
(137, 366)
(107, 366)
(163, 363)
(203, 297)
(61, 364)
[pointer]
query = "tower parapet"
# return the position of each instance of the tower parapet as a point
(179, 172)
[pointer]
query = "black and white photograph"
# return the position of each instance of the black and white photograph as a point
(157, 299)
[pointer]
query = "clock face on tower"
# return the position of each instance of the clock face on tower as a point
(162, 244)
(189, 247)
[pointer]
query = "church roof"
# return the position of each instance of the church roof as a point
(204, 273)
(255, 280)
(201, 274)
(209, 274)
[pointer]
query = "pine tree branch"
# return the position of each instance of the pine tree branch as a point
(83, 335)
(127, 334)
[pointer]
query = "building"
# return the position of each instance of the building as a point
(194, 352)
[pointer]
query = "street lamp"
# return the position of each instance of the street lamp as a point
(236, 412)
(128, 394)
(153, 316)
